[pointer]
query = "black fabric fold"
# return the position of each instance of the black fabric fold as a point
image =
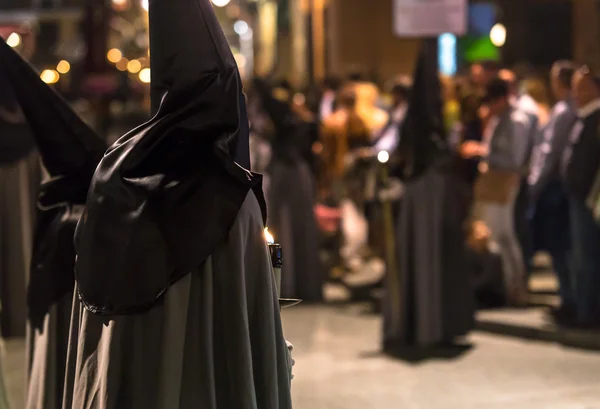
(167, 193)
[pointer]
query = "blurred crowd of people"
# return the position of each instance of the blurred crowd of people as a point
(526, 147)
(531, 153)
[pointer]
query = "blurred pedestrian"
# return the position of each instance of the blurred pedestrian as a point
(580, 166)
(550, 219)
(526, 104)
(502, 154)
(429, 296)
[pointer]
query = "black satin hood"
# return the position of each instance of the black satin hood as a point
(167, 193)
(70, 151)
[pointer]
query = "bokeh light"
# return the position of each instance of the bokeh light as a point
(221, 3)
(50, 76)
(13, 40)
(498, 35)
(63, 67)
(240, 27)
(134, 66)
(114, 55)
(122, 64)
(144, 75)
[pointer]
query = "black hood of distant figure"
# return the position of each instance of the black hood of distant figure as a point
(422, 131)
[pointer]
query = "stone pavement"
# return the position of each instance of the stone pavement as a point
(338, 366)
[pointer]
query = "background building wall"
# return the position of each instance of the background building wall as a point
(361, 38)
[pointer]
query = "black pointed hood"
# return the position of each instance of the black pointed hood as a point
(422, 131)
(186, 45)
(68, 147)
(70, 151)
(167, 193)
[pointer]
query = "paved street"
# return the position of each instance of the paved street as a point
(338, 367)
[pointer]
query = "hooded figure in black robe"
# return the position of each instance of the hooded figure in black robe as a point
(429, 298)
(70, 152)
(291, 198)
(20, 176)
(177, 300)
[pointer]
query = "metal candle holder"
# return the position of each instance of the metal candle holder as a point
(277, 261)
(276, 252)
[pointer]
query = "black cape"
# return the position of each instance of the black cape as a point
(167, 193)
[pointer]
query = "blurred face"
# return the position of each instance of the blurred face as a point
(584, 90)
(498, 105)
(477, 74)
(555, 85)
(509, 77)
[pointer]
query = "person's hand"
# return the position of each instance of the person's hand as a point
(291, 361)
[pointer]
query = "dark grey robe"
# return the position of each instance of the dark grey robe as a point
(46, 357)
(214, 342)
(429, 299)
(19, 183)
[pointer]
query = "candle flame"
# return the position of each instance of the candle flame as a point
(269, 236)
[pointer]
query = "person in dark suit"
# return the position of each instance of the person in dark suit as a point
(580, 164)
(550, 218)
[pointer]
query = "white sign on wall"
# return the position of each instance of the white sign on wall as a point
(429, 18)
